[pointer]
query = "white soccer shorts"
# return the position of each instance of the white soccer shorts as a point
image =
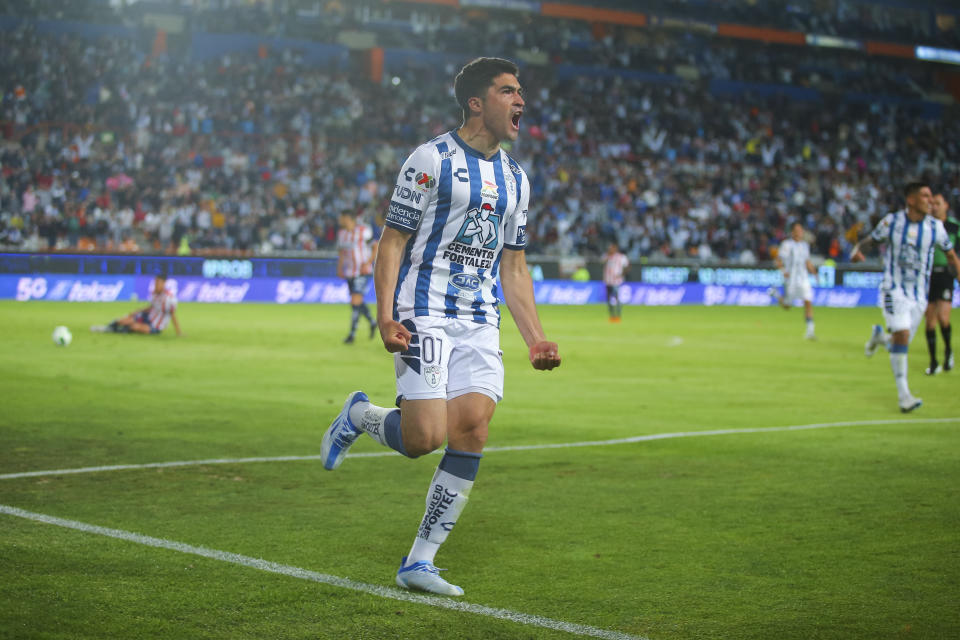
(800, 290)
(449, 358)
(901, 313)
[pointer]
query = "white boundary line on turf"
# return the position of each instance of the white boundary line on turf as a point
(527, 447)
(344, 583)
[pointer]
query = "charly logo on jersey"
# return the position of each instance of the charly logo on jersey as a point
(478, 237)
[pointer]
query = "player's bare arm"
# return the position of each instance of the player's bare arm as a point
(780, 266)
(954, 262)
(176, 323)
(518, 292)
(386, 268)
(812, 270)
(368, 265)
(857, 254)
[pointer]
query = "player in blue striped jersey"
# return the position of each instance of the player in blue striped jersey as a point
(910, 236)
(455, 228)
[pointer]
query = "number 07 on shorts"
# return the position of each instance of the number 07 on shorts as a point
(449, 358)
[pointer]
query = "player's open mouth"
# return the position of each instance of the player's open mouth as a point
(516, 119)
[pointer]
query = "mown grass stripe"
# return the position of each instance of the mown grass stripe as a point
(335, 581)
(523, 447)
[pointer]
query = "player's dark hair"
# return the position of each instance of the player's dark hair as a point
(476, 76)
(913, 186)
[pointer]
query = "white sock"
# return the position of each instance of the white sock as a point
(369, 418)
(898, 362)
(445, 501)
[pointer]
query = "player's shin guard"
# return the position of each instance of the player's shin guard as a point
(898, 363)
(354, 316)
(382, 424)
(448, 495)
(365, 311)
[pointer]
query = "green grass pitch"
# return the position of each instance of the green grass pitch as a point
(837, 532)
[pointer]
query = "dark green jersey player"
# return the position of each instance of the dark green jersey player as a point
(940, 296)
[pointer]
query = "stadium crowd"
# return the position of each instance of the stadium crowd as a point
(107, 147)
(928, 22)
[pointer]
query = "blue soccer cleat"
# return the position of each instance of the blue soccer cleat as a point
(423, 576)
(876, 339)
(341, 434)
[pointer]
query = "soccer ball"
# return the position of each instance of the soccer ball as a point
(62, 336)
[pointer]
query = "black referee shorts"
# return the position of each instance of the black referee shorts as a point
(941, 285)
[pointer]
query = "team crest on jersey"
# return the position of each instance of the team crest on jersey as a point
(477, 239)
(489, 190)
(425, 182)
(433, 375)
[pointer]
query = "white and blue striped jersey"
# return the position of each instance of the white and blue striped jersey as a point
(794, 256)
(462, 210)
(909, 256)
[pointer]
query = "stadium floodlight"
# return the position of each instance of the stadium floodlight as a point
(833, 42)
(950, 56)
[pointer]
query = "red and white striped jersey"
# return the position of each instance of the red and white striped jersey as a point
(354, 246)
(614, 267)
(162, 306)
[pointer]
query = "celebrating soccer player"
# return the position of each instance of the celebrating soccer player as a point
(793, 259)
(910, 235)
(941, 292)
(459, 201)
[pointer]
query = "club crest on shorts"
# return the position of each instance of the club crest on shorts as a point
(433, 375)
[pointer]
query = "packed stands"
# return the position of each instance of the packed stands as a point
(675, 143)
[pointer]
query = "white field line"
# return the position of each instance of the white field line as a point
(344, 583)
(527, 447)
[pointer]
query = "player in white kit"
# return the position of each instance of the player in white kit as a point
(910, 236)
(793, 259)
(456, 225)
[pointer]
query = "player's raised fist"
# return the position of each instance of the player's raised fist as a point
(395, 336)
(545, 355)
